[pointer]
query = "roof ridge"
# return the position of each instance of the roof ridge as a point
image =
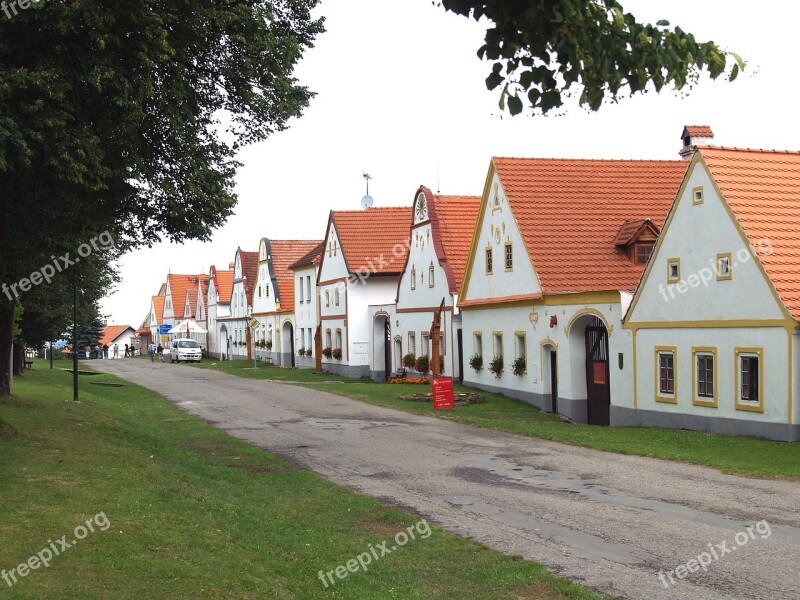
(761, 150)
(591, 160)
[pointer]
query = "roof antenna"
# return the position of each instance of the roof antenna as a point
(366, 201)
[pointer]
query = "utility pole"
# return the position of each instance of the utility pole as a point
(75, 395)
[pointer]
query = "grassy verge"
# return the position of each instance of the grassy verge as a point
(752, 457)
(195, 513)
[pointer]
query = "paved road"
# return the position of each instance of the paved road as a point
(607, 521)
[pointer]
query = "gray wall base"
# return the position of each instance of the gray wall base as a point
(352, 372)
(725, 426)
(378, 376)
(575, 410)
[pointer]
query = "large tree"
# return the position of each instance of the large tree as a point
(545, 50)
(123, 118)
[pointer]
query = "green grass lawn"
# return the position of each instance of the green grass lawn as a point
(195, 513)
(731, 454)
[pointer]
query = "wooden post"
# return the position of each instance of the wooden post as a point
(435, 363)
(318, 348)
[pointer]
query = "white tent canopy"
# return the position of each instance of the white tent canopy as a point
(187, 327)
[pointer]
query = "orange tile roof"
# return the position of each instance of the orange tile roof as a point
(250, 273)
(112, 332)
(763, 189)
(453, 221)
(570, 211)
(158, 303)
(223, 283)
(283, 254)
(698, 131)
(630, 231)
(312, 258)
(192, 291)
(370, 238)
(178, 285)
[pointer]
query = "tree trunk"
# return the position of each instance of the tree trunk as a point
(19, 357)
(6, 347)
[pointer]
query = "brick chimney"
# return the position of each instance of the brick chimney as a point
(693, 136)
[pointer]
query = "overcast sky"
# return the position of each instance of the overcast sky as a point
(401, 95)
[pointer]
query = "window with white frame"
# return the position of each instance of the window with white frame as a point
(308, 289)
(477, 343)
(497, 343)
(519, 346)
(338, 339)
(301, 291)
(749, 379)
(412, 343)
(424, 344)
(665, 373)
(705, 384)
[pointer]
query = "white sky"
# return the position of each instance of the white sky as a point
(401, 95)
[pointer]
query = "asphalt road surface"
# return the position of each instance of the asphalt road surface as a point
(607, 521)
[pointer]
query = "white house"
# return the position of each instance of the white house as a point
(235, 326)
(220, 290)
(557, 252)
(274, 299)
(714, 323)
(361, 265)
(178, 303)
(306, 303)
(440, 235)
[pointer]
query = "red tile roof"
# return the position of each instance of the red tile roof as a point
(283, 254)
(250, 273)
(178, 285)
(112, 332)
(630, 231)
(312, 258)
(374, 240)
(192, 291)
(158, 304)
(570, 211)
(698, 131)
(223, 283)
(453, 221)
(763, 189)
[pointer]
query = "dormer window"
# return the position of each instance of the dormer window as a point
(642, 252)
(637, 238)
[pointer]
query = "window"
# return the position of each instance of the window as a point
(497, 348)
(509, 256)
(301, 290)
(749, 379)
(705, 382)
(336, 295)
(673, 270)
(259, 291)
(339, 339)
(488, 261)
(308, 289)
(430, 275)
(519, 347)
(327, 299)
(642, 252)
(477, 343)
(424, 344)
(724, 272)
(310, 334)
(412, 343)
(266, 290)
(665, 374)
(697, 195)
(413, 278)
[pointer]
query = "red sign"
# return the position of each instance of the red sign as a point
(599, 373)
(443, 393)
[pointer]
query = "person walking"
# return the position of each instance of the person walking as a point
(116, 350)
(160, 353)
(126, 350)
(152, 349)
(105, 351)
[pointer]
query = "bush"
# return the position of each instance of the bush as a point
(308, 352)
(519, 366)
(301, 352)
(327, 352)
(268, 344)
(337, 353)
(409, 360)
(476, 362)
(496, 366)
(422, 364)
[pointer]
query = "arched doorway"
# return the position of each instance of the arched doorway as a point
(550, 375)
(398, 353)
(381, 346)
(287, 344)
(588, 361)
(224, 344)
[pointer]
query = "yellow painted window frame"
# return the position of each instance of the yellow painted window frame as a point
(670, 262)
(659, 395)
(430, 275)
(524, 336)
(506, 246)
(695, 198)
(495, 335)
(738, 352)
(696, 400)
(413, 277)
(729, 276)
(477, 342)
(486, 265)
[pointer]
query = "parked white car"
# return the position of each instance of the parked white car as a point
(185, 349)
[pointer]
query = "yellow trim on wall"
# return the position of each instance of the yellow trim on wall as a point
(524, 336)
(695, 198)
(659, 395)
(670, 262)
(554, 345)
(696, 400)
(729, 275)
(583, 313)
(790, 354)
(737, 369)
(635, 370)
(789, 324)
